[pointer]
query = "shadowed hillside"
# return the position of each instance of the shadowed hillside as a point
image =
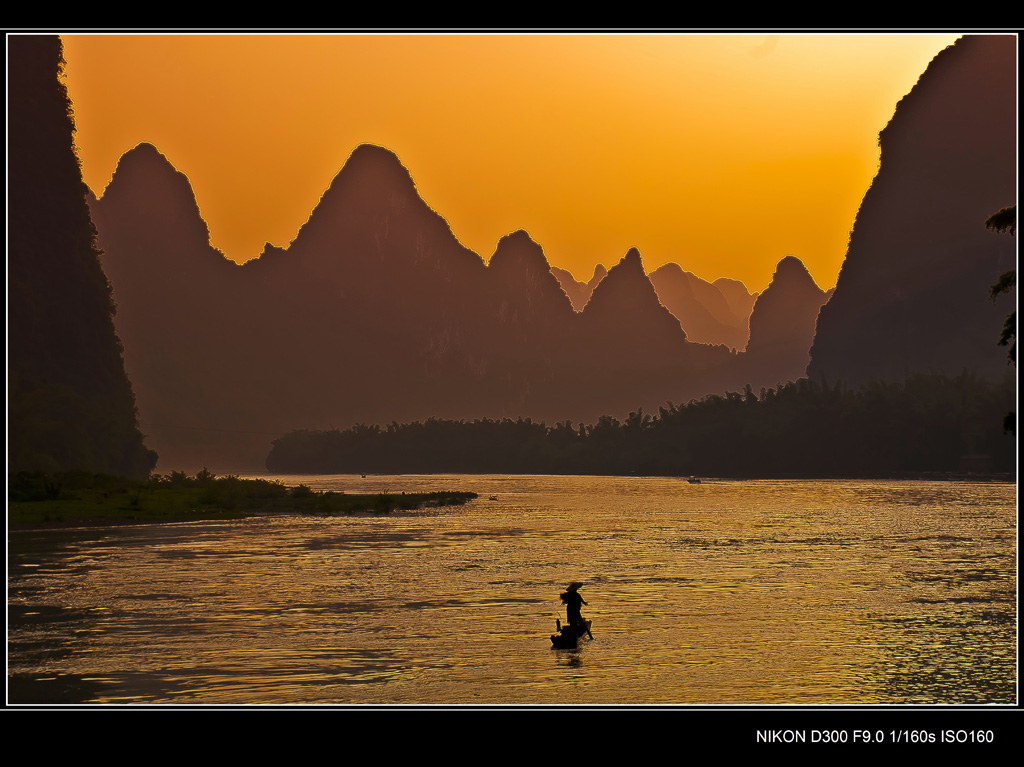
(913, 293)
(70, 405)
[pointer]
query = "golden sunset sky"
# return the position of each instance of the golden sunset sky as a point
(722, 153)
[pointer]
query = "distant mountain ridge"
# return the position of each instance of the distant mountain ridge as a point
(710, 313)
(700, 306)
(376, 313)
(782, 325)
(579, 292)
(740, 300)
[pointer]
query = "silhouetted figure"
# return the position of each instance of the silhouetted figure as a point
(573, 601)
(568, 635)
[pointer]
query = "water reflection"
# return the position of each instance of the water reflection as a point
(762, 592)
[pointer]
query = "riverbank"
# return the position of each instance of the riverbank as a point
(78, 498)
(456, 606)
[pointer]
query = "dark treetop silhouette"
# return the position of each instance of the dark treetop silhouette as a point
(928, 423)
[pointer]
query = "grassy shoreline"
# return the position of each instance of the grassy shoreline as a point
(73, 499)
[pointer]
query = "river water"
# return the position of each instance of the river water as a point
(766, 592)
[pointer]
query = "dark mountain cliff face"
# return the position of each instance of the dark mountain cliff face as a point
(913, 293)
(70, 405)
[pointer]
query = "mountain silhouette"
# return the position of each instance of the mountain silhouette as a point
(579, 292)
(913, 293)
(187, 331)
(700, 307)
(525, 327)
(376, 313)
(534, 301)
(625, 299)
(373, 313)
(633, 350)
(782, 326)
(374, 302)
(740, 300)
(70, 404)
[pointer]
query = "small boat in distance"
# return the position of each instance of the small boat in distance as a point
(694, 480)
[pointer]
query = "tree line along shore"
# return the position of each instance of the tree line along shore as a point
(926, 426)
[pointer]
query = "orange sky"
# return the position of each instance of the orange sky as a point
(723, 153)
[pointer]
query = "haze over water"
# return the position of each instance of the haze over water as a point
(728, 592)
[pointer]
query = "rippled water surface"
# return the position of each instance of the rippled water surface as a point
(726, 592)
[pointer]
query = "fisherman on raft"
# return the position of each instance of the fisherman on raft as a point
(573, 601)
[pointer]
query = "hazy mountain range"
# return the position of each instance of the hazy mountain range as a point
(702, 308)
(376, 313)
